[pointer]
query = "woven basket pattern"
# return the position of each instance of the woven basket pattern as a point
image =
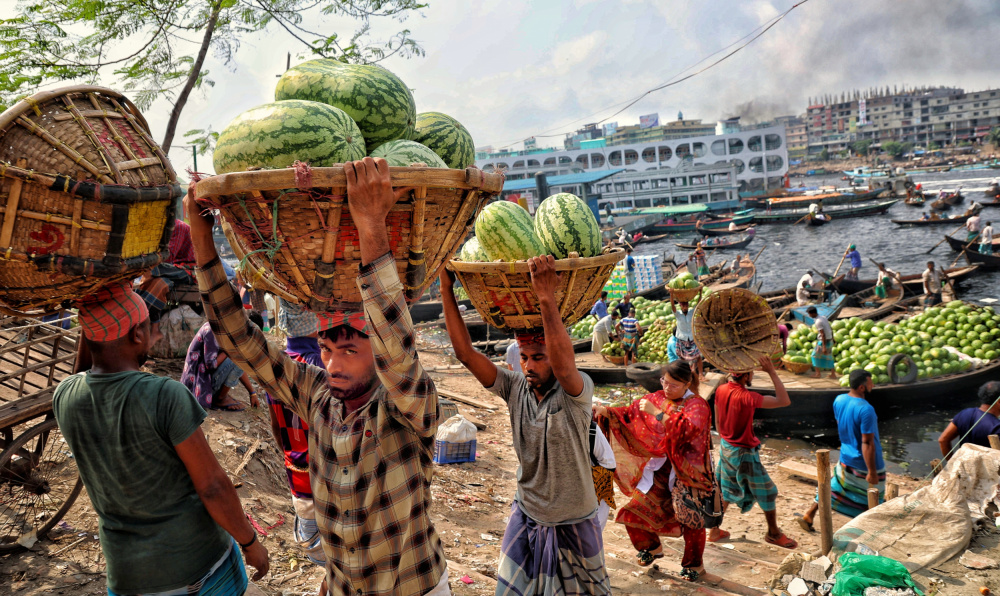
(733, 328)
(503, 296)
(618, 360)
(293, 233)
(86, 197)
(685, 294)
(797, 368)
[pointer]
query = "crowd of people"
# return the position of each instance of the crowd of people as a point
(356, 415)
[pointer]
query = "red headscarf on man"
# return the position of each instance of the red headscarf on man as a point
(109, 313)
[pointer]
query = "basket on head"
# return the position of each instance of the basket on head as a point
(292, 228)
(734, 328)
(503, 295)
(86, 197)
(797, 368)
(684, 294)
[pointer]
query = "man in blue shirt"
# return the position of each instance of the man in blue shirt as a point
(629, 270)
(861, 465)
(853, 254)
(974, 425)
(600, 308)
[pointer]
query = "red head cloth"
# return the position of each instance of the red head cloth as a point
(355, 320)
(534, 337)
(109, 313)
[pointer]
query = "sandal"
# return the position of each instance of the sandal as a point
(230, 407)
(690, 574)
(806, 526)
(646, 557)
(782, 541)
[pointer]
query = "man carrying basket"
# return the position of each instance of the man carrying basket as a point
(553, 516)
(372, 414)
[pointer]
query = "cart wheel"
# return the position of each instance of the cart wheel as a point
(39, 481)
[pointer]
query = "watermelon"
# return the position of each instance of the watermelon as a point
(565, 224)
(505, 232)
(378, 101)
(471, 251)
(275, 135)
(403, 153)
(446, 137)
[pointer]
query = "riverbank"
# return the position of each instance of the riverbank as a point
(471, 505)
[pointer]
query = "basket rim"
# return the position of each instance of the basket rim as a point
(334, 176)
(612, 256)
(28, 103)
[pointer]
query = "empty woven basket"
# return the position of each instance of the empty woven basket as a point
(734, 328)
(86, 197)
(502, 292)
(292, 228)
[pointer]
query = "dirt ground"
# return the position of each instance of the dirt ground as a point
(471, 506)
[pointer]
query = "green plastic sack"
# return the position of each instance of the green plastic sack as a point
(858, 572)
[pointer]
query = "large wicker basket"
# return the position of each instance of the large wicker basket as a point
(797, 368)
(684, 294)
(616, 360)
(86, 197)
(734, 328)
(292, 228)
(503, 295)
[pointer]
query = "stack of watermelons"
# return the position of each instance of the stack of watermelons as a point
(563, 227)
(327, 112)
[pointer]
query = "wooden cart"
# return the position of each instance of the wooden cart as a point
(39, 479)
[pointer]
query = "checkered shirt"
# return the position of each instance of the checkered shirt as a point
(371, 470)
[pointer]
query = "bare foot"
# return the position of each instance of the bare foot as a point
(715, 535)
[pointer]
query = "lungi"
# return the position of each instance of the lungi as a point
(687, 350)
(228, 577)
(849, 490)
(743, 479)
(601, 337)
(822, 361)
(630, 282)
(542, 560)
(630, 342)
(986, 249)
(702, 270)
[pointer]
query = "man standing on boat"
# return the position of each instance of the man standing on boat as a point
(629, 271)
(853, 254)
(986, 239)
(972, 226)
(822, 355)
(932, 284)
(861, 465)
(553, 542)
(742, 477)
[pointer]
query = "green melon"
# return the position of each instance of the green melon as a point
(275, 135)
(565, 224)
(404, 153)
(378, 100)
(471, 251)
(505, 233)
(446, 137)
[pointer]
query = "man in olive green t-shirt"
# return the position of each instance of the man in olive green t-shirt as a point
(170, 520)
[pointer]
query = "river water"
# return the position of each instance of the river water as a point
(909, 434)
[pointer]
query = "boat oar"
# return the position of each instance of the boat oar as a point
(759, 253)
(801, 219)
(943, 239)
(840, 264)
(964, 248)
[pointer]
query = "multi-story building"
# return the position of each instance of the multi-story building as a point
(795, 134)
(760, 157)
(633, 133)
(943, 116)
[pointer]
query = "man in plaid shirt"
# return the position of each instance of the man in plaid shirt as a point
(372, 413)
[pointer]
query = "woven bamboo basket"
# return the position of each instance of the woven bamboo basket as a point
(684, 295)
(617, 360)
(797, 368)
(503, 295)
(86, 197)
(734, 328)
(293, 232)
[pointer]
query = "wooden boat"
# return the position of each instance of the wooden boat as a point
(743, 277)
(829, 309)
(721, 242)
(723, 231)
(959, 245)
(429, 310)
(983, 260)
(832, 198)
(648, 239)
(954, 219)
(914, 201)
(913, 284)
(845, 211)
(660, 292)
(993, 191)
(713, 224)
(866, 305)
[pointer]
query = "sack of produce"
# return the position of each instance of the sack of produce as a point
(500, 288)
(88, 197)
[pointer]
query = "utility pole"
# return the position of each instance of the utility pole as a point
(288, 64)
(194, 155)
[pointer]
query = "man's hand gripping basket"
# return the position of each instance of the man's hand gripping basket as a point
(86, 197)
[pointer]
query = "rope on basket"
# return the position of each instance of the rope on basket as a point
(268, 248)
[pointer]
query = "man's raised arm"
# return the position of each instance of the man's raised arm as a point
(558, 345)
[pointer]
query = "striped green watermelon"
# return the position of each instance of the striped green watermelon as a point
(471, 251)
(446, 137)
(378, 101)
(505, 233)
(274, 135)
(565, 224)
(404, 153)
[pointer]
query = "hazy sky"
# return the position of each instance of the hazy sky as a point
(510, 69)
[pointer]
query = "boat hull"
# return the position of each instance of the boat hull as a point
(715, 224)
(791, 216)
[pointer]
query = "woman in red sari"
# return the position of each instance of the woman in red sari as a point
(662, 446)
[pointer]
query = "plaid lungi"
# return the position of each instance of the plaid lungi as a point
(743, 479)
(849, 490)
(539, 560)
(687, 350)
(823, 361)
